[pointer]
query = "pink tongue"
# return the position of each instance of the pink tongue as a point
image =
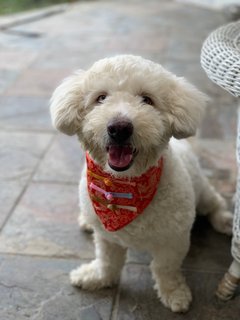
(120, 156)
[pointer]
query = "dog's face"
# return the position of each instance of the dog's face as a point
(124, 111)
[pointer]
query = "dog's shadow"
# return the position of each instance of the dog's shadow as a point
(209, 249)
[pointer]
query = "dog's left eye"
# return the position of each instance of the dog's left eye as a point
(101, 98)
(147, 100)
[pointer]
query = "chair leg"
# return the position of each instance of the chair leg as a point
(229, 282)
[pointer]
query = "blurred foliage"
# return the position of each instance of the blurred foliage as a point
(12, 6)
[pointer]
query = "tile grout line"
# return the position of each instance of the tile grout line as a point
(61, 183)
(115, 302)
(31, 255)
(115, 305)
(19, 130)
(27, 183)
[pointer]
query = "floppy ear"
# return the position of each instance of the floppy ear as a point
(67, 104)
(186, 106)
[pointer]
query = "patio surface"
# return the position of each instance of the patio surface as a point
(40, 241)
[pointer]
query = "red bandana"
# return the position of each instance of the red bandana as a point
(118, 201)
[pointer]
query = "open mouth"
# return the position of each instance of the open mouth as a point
(120, 157)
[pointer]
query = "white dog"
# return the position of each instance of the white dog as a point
(138, 188)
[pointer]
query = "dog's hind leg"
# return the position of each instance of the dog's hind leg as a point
(102, 272)
(84, 226)
(212, 204)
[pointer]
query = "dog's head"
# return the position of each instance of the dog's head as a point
(124, 110)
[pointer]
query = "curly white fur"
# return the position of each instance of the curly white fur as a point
(164, 227)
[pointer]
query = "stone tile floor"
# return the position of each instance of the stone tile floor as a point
(40, 241)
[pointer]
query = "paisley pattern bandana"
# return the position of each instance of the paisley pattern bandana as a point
(118, 201)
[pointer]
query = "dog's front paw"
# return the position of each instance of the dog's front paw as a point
(177, 300)
(90, 277)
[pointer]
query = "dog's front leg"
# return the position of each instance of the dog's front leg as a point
(102, 272)
(170, 283)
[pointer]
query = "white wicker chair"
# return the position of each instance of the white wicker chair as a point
(220, 58)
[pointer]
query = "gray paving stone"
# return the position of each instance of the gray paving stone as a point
(71, 58)
(20, 153)
(12, 59)
(220, 120)
(10, 191)
(138, 300)
(21, 42)
(37, 82)
(45, 224)
(25, 113)
(39, 289)
(189, 19)
(7, 77)
(218, 159)
(63, 161)
(113, 32)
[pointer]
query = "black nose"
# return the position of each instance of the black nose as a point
(120, 130)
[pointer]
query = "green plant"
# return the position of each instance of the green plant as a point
(11, 6)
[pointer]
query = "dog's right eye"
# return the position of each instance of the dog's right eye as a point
(101, 98)
(147, 100)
